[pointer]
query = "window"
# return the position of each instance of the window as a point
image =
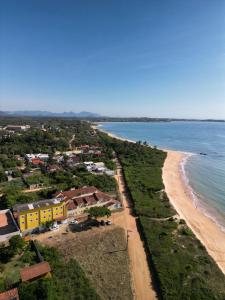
(56, 208)
(36, 218)
(49, 210)
(30, 214)
(23, 222)
(31, 220)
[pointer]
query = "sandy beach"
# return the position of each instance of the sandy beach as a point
(204, 228)
(97, 127)
(208, 232)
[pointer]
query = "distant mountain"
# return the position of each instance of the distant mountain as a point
(40, 113)
(3, 113)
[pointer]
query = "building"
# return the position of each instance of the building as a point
(8, 226)
(40, 156)
(77, 200)
(17, 128)
(10, 295)
(36, 271)
(36, 162)
(98, 168)
(34, 215)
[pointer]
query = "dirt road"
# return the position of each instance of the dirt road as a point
(142, 283)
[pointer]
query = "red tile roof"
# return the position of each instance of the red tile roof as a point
(79, 201)
(90, 200)
(37, 161)
(77, 192)
(35, 271)
(102, 197)
(10, 295)
(71, 205)
(3, 220)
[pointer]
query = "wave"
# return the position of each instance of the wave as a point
(197, 200)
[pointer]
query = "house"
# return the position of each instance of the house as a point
(40, 156)
(73, 161)
(17, 128)
(34, 215)
(36, 271)
(52, 168)
(98, 168)
(36, 162)
(77, 200)
(8, 226)
(10, 295)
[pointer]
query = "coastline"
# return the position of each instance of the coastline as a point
(207, 231)
(204, 228)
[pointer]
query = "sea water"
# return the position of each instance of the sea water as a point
(204, 174)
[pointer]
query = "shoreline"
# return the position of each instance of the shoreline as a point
(205, 229)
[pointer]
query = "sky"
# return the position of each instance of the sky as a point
(116, 58)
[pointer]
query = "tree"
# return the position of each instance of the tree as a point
(16, 243)
(95, 212)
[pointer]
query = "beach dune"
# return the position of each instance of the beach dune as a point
(203, 227)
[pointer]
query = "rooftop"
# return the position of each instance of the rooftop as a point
(35, 271)
(10, 295)
(6, 223)
(77, 192)
(35, 205)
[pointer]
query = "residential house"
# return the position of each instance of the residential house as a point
(17, 128)
(52, 168)
(10, 295)
(36, 271)
(73, 161)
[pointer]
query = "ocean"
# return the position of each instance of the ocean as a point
(203, 174)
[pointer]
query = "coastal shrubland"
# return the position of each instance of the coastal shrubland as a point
(68, 281)
(180, 264)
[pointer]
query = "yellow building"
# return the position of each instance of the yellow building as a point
(33, 215)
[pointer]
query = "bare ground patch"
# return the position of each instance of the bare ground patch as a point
(102, 253)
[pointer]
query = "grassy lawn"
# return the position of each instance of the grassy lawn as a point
(10, 271)
(103, 256)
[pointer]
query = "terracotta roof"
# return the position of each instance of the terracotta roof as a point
(71, 205)
(3, 220)
(102, 197)
(79, 201)
(77, 192)
(10, 295)
(37, 161)
(108, 204)
(35, 271)
(90, 200)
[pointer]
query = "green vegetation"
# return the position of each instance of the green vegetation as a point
(68, 281)
(95, 212)
(181, 266)
(103, 255)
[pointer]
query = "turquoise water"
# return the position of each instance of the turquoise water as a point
(205, 175)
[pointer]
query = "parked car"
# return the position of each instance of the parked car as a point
(54, 227)
(74, 221)
(108, 222)
(64, 221)
(102, 222)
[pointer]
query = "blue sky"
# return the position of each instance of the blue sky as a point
(115, 57)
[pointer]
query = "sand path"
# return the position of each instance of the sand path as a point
(204, 228)
(141, 279)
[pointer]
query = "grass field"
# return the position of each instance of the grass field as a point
(102, 254)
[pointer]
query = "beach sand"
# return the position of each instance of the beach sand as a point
(207, 231)
(203, 227)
